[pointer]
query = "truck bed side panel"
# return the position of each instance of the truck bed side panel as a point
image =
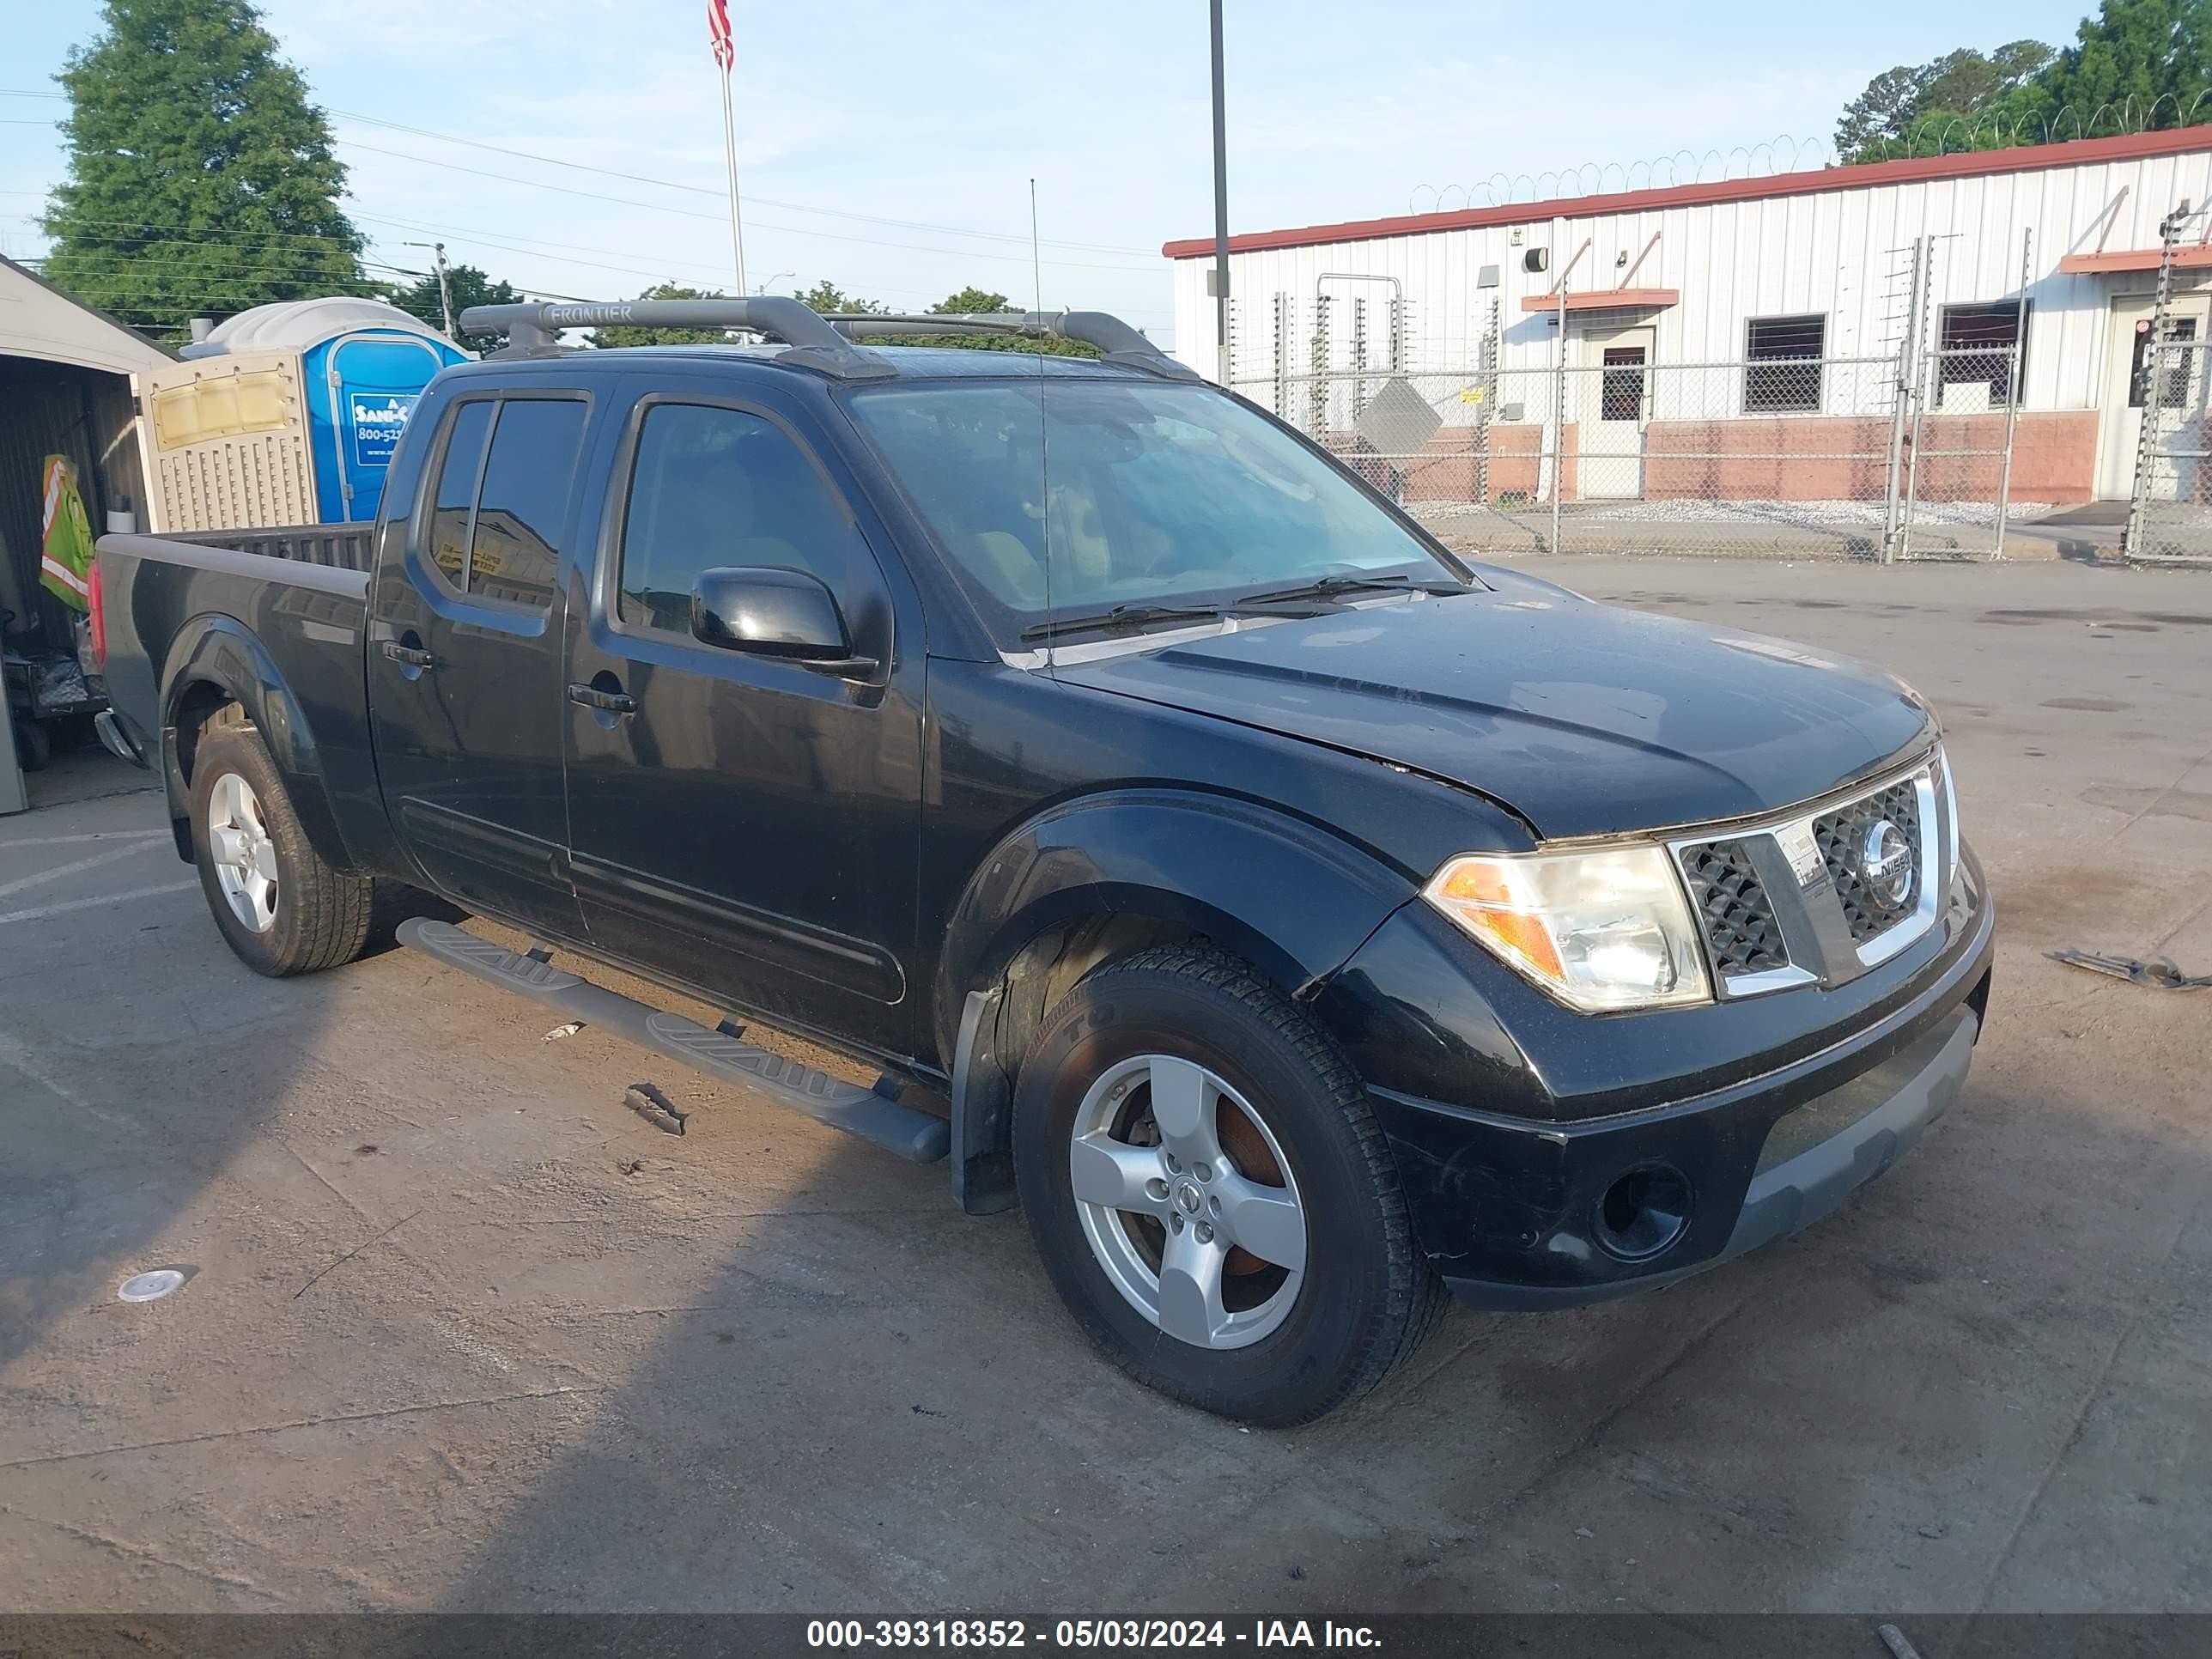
(283, 637)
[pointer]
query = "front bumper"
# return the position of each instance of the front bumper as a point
(1522, 1210)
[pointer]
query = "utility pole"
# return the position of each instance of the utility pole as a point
(1220, 211)
(445, 288)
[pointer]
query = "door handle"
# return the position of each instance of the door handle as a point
(408, 656)
(614, 703)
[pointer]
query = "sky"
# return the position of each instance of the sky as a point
(889, 148)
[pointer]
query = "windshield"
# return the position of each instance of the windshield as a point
(1139, 494)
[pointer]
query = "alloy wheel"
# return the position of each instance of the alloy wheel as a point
(1187, 1201)
(244, 852)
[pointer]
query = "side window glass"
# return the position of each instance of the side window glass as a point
(516, 555)
(715, 487)
(446, 541)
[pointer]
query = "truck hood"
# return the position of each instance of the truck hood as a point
(1584, 719)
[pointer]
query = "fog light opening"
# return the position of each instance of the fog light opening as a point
(1643, 1213)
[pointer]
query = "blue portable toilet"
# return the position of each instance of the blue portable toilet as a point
(361, 366)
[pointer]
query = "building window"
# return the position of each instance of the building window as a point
(2174, 394)
(1978, 345)
(1783, 373)
(1620, 387)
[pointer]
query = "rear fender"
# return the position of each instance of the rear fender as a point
(216, 658)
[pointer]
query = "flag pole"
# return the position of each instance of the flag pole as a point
(730, 156)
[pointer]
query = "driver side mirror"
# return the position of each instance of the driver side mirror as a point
(771, 613)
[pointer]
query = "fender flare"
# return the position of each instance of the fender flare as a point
(1293, 899)
(222, 652)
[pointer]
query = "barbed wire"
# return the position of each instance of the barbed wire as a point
(1786, 154)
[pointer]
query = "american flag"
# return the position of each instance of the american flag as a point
(717, 31)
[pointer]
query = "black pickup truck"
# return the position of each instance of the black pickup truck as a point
(1300, 921)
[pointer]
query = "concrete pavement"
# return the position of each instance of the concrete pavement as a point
(462, 1332)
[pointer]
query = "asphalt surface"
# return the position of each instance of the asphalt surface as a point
(460, 1332)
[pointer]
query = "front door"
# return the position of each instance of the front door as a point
(464, 685)
(743, 823)
(1617, 402)
(2127, 354)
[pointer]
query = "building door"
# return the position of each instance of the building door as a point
(2127, 384)
(1615, 402)
(373, 382)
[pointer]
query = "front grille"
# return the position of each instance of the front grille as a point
(1739, 921)
(1841, 835)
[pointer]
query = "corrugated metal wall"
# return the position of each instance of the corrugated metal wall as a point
(48, 409)
(1829, 252)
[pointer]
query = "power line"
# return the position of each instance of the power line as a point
(701, 190)
(671, 184)
(538, 248)
(687, 212)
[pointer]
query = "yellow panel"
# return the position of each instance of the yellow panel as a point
(254, 400)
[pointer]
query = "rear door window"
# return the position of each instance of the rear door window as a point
(447, 542)
(503, 497)
(516, 552)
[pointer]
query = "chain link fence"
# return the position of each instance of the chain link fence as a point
(1866, 457)
(2173, 488)
(2170, 518)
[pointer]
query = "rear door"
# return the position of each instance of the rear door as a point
(746, 825)
(464, 656)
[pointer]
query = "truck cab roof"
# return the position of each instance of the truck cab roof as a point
(906, 362)
(828, 345)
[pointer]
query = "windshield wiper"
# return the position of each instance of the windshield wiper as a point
(1332, 587)
(1123, 616)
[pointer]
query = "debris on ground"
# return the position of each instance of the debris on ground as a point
(149, 1286)
(566, 1030)
(630, 1166)
(2159, 972)
(353, 1252)
(655, 1108)
(1893, 1639)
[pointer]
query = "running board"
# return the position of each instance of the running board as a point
(900, 1130)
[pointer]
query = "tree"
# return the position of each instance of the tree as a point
(201, 180)
(2138, 64)
(826, 297)
(971, 302)
(631, 337)
(1938, 102)
(981, 302)
(469, 287)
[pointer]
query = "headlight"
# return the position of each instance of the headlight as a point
(1599, 931)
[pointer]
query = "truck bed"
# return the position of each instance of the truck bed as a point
(339, 546)
(282, 609)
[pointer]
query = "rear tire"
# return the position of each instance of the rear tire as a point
(1280, 1129)
(281, 909)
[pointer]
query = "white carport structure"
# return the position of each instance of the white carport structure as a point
(69, 380)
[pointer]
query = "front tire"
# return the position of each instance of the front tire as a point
(1212, 1197)
(281, 909)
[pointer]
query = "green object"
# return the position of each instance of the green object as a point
(200, 178)
(65, 551)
